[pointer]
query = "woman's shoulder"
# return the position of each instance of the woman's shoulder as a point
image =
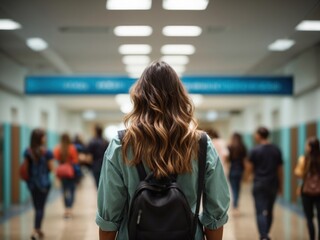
(114, 146)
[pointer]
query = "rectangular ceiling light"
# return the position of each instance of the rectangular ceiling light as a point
(185, 4)
(182, 31)
(175, 60)
(197, 99)
(135, 68)
(8, 24)
(135, 49)
(175, 49)
(179, 68)
(89, 115)
(129, 60)
(132, 31)
(128, 4)
(37, 44)
(134, 75)
(308, 25)
(281, 45)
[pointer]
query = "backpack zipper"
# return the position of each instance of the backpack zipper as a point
(139, 216)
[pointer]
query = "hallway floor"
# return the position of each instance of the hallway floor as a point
(287, 224)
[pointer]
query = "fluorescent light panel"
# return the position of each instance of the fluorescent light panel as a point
(179, 68)
(122, 98)
(143, 60)
(185, 4)
(308, 25)
(89, 115)
(175, 59)
(281, 45)
(197, 99)
(132, 31)
(124, 102)
(212, 116)
(8, 24)
(135, 68)
(174, 49)
(37, 44)
(128, 4)
(135, 49)
(181, 31)
(134, 75)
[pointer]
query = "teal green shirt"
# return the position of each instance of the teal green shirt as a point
(118, 182)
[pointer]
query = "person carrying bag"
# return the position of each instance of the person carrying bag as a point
(308, 169)
(35, 171)
(67, 156)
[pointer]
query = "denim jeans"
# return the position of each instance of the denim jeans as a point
(39, 198)
(309, 203)
(264, 198)
(68, 188)
(235, 182)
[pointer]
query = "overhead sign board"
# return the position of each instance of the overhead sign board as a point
(110, 85)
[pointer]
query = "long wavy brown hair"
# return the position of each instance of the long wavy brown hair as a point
(65, 142)
(37, 143)
(312, 157)
(161, 129)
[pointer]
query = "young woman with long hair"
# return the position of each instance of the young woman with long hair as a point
(39, 162)
(66, 152)
(237, 155)
(162, 133)
(309, 165)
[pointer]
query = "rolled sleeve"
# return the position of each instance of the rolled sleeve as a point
(106, 225)
(216, 197)
(112, 192)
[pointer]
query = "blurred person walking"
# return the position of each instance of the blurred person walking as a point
(38, 162)
(265, 161)
(308, 168)
(237, 155)
(82, 151)
(221, 147)
(161, 138)
(96, 148)
(67, 156)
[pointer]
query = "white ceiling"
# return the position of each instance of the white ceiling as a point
(234, 40)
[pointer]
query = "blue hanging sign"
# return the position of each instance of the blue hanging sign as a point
(110, 85)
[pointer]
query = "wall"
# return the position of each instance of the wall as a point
(11, 74)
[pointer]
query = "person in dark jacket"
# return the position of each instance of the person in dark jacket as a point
(96, 149)
(265, 161)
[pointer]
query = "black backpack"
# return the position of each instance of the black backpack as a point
(159, 209)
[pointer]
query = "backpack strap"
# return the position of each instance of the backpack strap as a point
(141, 171)
(140, 168)
(202, 157)
(121, 134)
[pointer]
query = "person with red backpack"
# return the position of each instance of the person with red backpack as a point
(38, 163)
(308, 168)
(156, 172)
(67, 156)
